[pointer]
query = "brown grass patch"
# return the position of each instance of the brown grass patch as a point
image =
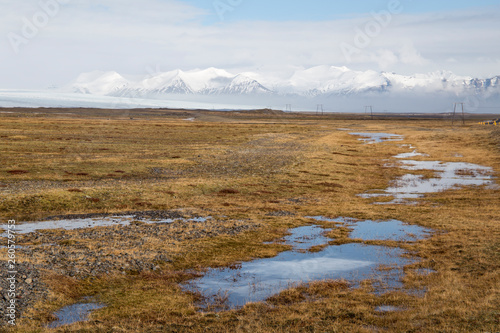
(277, 154)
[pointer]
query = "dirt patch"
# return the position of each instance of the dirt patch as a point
(17, 172)
(229, 191)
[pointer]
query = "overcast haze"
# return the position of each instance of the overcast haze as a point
(268, 37)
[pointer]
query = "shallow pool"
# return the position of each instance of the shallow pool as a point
(447, 176)
(259, 279)
(23, 228)
(371, 138)
(74, 313)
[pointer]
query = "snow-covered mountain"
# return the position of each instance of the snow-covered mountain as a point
(99, 83)
(320, 81)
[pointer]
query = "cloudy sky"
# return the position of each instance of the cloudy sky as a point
(50, 42)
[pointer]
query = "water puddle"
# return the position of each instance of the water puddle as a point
(379, 230)
(410, 155)
(92, 223)
(451, 175)
(425, 271)
(259, 279)
(387, 230)
(387, 308)
(74, 313)
(304, 238)
(371, 138)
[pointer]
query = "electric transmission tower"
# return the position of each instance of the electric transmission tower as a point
(455, 108)
(369, 108)
(319, 109)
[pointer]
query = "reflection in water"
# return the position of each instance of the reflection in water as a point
(448, 176)
(259, 279)
(379, 230)
(74, 313)
(409, 155)
(371, 138)
(387, 230)
(387, 308)
(91, 223)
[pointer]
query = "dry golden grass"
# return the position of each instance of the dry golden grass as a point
(247, 168)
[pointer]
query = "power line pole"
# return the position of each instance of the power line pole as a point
(455, 107)
(369, 107)
(288, 108)
(319, 109)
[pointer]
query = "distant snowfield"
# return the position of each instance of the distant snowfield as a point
(40, 98)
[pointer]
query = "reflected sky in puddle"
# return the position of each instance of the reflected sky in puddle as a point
(74, 313)
(425, 271)
(410, 155)
(90, 223)
(387, 308)
(259, 279)
(448, 176)
(303, 238)
(387, 230)
(371, 138)
(380, 230)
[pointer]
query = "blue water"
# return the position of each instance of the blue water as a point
(387, 230)
(371, 138)
(74, 313)
(379, 230)
(73, 224)
(259, 279)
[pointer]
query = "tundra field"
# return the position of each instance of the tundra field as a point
(234, 184)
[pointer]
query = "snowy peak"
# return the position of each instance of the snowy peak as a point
(244, 85)
(434, 81)
(168, 83)
(311, 82)
(210, 81)
(337, 80)
(493, 82)
(99, 83)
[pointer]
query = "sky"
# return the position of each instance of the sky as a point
(47, 43)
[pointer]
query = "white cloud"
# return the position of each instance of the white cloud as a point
(130, 36)
(410, 56)
(385, 58)
(405, 54)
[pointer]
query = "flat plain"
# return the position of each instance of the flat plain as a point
(250, 177)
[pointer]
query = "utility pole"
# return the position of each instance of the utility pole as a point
(288, 108)
(455, 107)
(319, 109)
(369, 107)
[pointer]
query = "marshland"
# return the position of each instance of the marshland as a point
(177, 221)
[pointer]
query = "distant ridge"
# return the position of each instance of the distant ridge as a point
(317, 81)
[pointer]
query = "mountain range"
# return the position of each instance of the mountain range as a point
(320, 81)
